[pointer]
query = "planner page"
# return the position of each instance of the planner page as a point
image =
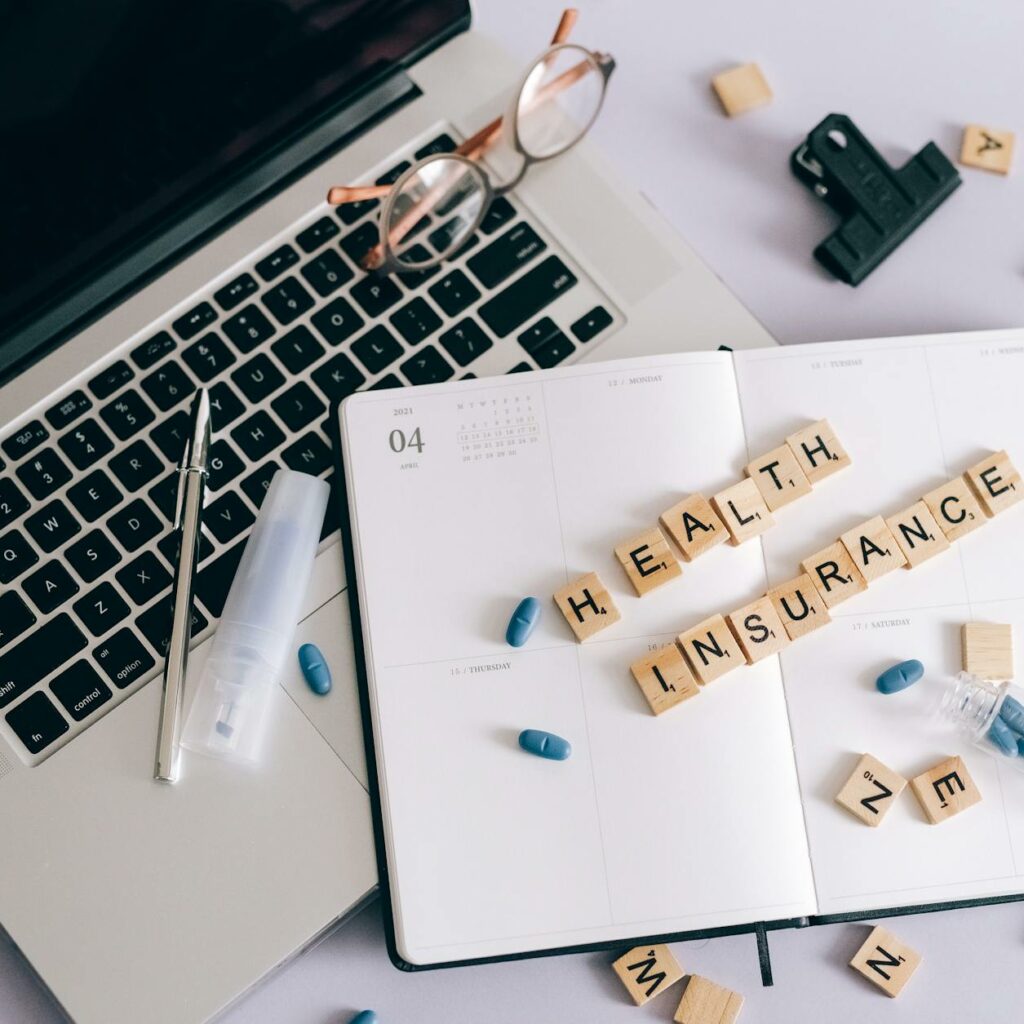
(912, 414)
(467, 497)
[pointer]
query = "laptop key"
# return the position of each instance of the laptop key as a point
(49, 587)
(389, 380)
(427, 367)
(337, 321)
(134, 525)
(327, 272)
(414, 278)
(349, 213)
(415, 321)
(309, 454)
(15, 617)
(377, 348)
(520, 368)
(155, 625)
(316, 234)
(338, 377)
(390, 177)
(52, 525)
(298, 406)
(214, 580)
(442, 144)
(224, 464)
(277, 262)
(92, 556)
(257, 378)
(37, 722)
(136, 465)
(256, 484)
(105, 383)
(189, 325)
(356, 244)
(168, 386)
(248, 328)
(505, 255)
(376, 294)
(535, 336)
(527, 296)
(553, 351)
(165, 496)
(170, 436)
(101, 609)
(227, 517)
(12, 502)
(592, 324)
(257, 436)
(170, 547)
(16, 555)
(225, 405)
(27, 439)
(144, 578)
(80, 689)
(43, 474)
(123, 658)
(454, 293)
(298, 349)
(67, 410)
(86, 444)
(149, 353)
(500, 213)
(94, 496)
(127, 415)
(287, 300)
(32, 660)
(208, 356)
(235, 291)
(465, 341)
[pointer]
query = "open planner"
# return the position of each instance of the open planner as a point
(719, 814)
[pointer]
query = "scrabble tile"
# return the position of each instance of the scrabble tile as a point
(587, 606)
(758, 629)
(743, 511)
(886, 962)
(648, 560)
(956, 508)
(834, 574)
(945, 790)
(917, 534)
(741, 89)
(704, 1002)
(818, 451)
(711, 649)
(987, 649)
(800, 606)
(996, 483)
(987, 148)
(873, 549)
(647, 971)
(779, 477)
(694, 526)
(664, 678)
(871, 790)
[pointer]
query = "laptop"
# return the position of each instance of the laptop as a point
(165, 227)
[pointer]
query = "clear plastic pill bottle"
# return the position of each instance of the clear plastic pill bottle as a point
(988, 712)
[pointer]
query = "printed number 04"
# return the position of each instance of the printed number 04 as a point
(399, 442)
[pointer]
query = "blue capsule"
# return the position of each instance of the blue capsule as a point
(1012, 713)
(545, 744)
(365, 1017)
(1003, 737)
(900, 676)
(314, 669)
(524, 618)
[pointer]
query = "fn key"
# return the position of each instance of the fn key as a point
(37, 722)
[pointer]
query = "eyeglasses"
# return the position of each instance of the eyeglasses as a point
(554, 106)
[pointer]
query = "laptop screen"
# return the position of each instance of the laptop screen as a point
(115, 114)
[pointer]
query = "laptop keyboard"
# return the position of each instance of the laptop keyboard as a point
(87, 488)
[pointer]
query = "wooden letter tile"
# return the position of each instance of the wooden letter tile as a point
(818, 451)
(664, 678)
(987, 650)
(917, 534)
(711, 649)
(800, 606)
(647, 971)
(834, 574)
(987, 148)
(873, 549)
(758, 629)
(779, 477)
(956, 508)
(694, 526)
(996, 483)
(871, 790)
(704, 1002)
(743, 511)
(587, 606)
(648, 560)
(945, 790)
(741, 89)
(886, 962)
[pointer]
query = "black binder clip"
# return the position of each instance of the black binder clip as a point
(880, 206)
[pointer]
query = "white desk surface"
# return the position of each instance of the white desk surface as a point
(906, 73)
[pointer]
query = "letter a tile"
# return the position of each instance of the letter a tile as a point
(587, 606)
(647, 971)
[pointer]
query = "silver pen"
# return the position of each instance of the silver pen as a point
(192, 475)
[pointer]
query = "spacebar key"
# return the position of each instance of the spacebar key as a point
(529, 295)
(35, 658)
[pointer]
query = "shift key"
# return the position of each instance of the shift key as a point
(35, 658)
(527, 296)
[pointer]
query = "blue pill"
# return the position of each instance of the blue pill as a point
(524, 618)
(545, 744)
(365, 1017)
(900, 676)
(314, 669)
(1012, 713)
(1003, 737)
